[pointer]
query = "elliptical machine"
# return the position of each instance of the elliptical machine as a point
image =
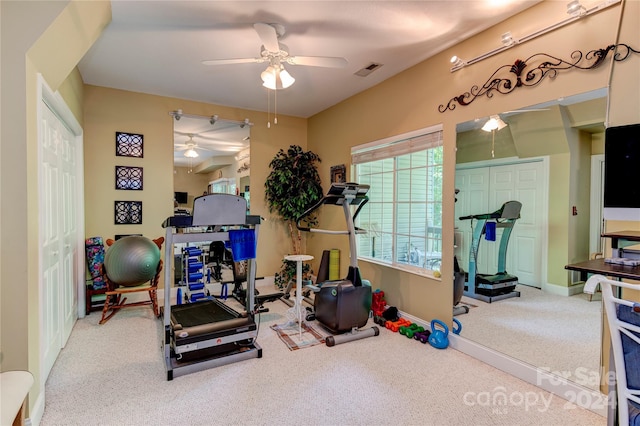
(343, 306)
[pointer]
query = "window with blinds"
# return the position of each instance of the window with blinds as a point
(404, 214)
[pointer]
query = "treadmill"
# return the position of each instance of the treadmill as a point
(208, 333)
(501, 285)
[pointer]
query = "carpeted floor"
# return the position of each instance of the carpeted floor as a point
(114, 374)
(552, 332)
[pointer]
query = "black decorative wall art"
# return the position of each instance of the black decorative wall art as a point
(531, 71)
(128, 213)
(129, 178)
(129, 145)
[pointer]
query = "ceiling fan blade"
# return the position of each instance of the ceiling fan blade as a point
(232, 61)
(268, 36)
(318, 61)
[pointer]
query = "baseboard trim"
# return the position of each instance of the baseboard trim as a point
(36, 412)
(563, 290)
(573, 393)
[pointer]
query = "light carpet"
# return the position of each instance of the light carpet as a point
(557, 333)
(114, 374)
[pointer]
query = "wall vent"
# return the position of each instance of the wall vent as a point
(368, 69)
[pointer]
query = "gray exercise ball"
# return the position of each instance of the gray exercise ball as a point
(132, 261)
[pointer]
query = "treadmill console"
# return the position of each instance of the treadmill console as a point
(348, 188)
(354, 192)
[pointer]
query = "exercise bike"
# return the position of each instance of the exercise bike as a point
(343, 306)
(501, 285)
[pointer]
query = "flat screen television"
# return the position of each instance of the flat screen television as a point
(622, 173)
(181, 197)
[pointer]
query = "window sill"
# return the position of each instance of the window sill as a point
(414, 270)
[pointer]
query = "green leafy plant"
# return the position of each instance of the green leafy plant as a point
(293, 185)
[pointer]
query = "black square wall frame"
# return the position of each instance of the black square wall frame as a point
(128, 212)
(129, 145)
(129, 178)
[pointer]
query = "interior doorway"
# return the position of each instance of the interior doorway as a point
(61, 224)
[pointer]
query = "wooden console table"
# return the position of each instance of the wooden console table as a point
(599, 266)
(619, 240)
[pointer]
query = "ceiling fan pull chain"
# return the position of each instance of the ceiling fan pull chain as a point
(268, 109)
(275, 107)
(493, 143)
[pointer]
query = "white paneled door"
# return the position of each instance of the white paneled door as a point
(484, 190)
(59, 234)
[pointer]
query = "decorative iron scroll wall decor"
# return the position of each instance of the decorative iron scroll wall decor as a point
(129, 178)
(524, 74)
(128, 212)
(129, 145)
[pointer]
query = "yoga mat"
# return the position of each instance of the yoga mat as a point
(334, 264)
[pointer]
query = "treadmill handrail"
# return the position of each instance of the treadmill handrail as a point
(494, 215)
(363, 200)
(510, 213)
(329, 231)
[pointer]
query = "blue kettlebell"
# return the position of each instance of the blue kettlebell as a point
(457, 326)
(439, 338)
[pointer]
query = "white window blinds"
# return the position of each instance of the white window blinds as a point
(397, 146)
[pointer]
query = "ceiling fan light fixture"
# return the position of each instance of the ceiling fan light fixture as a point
(191, 153)
(286, 78)
(276, 77)
(494, 123)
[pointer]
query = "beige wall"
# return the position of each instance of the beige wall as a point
(410, 101)
(109, 110)
(192, 183)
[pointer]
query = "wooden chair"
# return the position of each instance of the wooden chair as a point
(116, 294)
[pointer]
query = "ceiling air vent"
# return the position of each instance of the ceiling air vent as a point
(368, 69)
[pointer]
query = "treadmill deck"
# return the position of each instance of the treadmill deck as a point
(207, 327)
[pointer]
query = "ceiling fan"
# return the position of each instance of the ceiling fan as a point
(495, 122)
(276, 55)
(189, 147)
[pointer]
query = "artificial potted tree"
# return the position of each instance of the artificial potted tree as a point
(293, 185)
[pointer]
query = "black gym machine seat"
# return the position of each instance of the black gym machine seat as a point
(343, 306)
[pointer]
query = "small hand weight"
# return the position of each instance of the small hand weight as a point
(457, 326)
(439, 338)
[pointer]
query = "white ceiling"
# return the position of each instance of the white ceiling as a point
(157, 47)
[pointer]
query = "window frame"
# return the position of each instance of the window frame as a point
(393, 148)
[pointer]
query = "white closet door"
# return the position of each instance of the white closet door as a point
(484, 190)
(51, 240)
(70, 231)
(59, 234)
(521, 182)
(473, 198)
